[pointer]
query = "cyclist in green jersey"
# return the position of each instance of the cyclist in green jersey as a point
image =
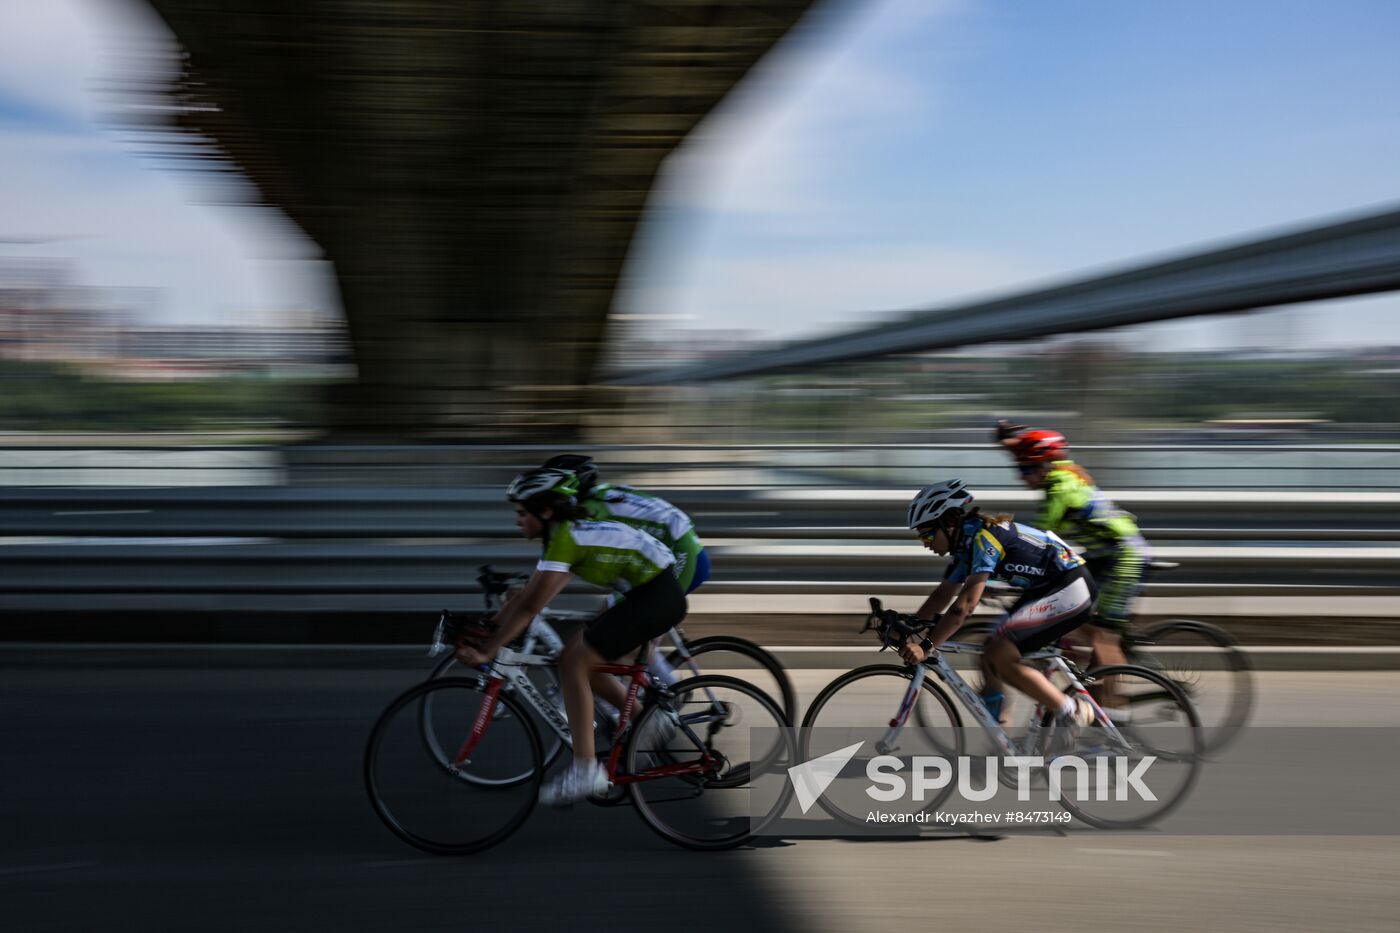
(1074, 508)
(610, 502)
(606, 554)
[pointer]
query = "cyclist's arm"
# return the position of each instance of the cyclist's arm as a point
(956, 615)
(1052, 508)
(687, 548)
(541, 589)
(1056, 503)
(939, 599)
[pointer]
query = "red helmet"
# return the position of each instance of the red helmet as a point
(1038, 446)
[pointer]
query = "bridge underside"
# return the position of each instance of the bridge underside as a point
(474, 170)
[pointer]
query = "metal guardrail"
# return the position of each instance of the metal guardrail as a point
(1213, 467)
(359, 549)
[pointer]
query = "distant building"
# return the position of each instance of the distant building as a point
(44, 316)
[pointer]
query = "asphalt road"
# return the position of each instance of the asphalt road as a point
(160, 798)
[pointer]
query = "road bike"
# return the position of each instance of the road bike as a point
(681, 659)
(1148, 715)
(1204, 660)
(467, 776)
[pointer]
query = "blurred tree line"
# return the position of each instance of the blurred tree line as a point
(1077, 388)
(37, 396)
(885, 400)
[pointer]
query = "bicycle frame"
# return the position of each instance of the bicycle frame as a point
(510, 668)
(541, 629)
(972, 701)
(540, 626)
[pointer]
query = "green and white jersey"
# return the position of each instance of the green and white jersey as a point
(653, 515)
(657, 517)
(607, 554)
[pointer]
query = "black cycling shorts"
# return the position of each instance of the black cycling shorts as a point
(645, 613)
(1045, 615)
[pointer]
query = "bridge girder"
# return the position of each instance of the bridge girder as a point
(474, 171)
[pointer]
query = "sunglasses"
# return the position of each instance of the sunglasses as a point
(929, 535)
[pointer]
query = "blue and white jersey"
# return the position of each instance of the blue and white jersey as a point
(1020, 555)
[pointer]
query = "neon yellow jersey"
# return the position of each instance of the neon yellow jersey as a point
(1077, 511)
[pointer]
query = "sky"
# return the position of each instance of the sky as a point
(915, 153)
(892, 154)
(75, 180)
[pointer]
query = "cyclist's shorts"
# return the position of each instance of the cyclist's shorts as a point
(702, 571)
(647, 612)
(1119, 576)
(1040, 617)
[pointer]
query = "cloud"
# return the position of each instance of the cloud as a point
(772, 180)
(56, 54)
(770, 149)
(121, 219)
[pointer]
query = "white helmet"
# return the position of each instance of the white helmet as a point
(531, 483)
(933, 502)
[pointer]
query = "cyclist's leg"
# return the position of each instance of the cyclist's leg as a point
(1036, 621)
(1119, 577)
(646, 613)
(656, 664)
(608, 688)
(993, 690)
(576, 665)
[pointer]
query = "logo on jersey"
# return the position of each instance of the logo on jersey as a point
(1024, 568)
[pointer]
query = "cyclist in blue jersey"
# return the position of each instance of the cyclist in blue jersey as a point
(606, 554)
(1057, 597)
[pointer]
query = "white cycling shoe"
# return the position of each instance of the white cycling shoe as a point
(1083, 715)
(579, 780)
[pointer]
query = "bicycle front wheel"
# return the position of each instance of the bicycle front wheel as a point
(858, 708)
(447, 796)
(694, 755)
(545, 679)
(1209, 667)
(737, 657)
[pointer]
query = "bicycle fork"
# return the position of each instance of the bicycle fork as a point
(483, 717)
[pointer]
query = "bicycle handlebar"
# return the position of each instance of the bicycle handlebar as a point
(894, 628)
(495, 582)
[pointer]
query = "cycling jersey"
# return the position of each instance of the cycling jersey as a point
(608, 554)
(1075, 508)
(658, 518)
(1020, 555)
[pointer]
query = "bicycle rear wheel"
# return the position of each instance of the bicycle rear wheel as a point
(428, 799)
(1209, 667)
(1159, 741)
(697, 750)
(738, 657)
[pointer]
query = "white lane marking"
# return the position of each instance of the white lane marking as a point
(107, 512)
(56, 866)
(1154, 853)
